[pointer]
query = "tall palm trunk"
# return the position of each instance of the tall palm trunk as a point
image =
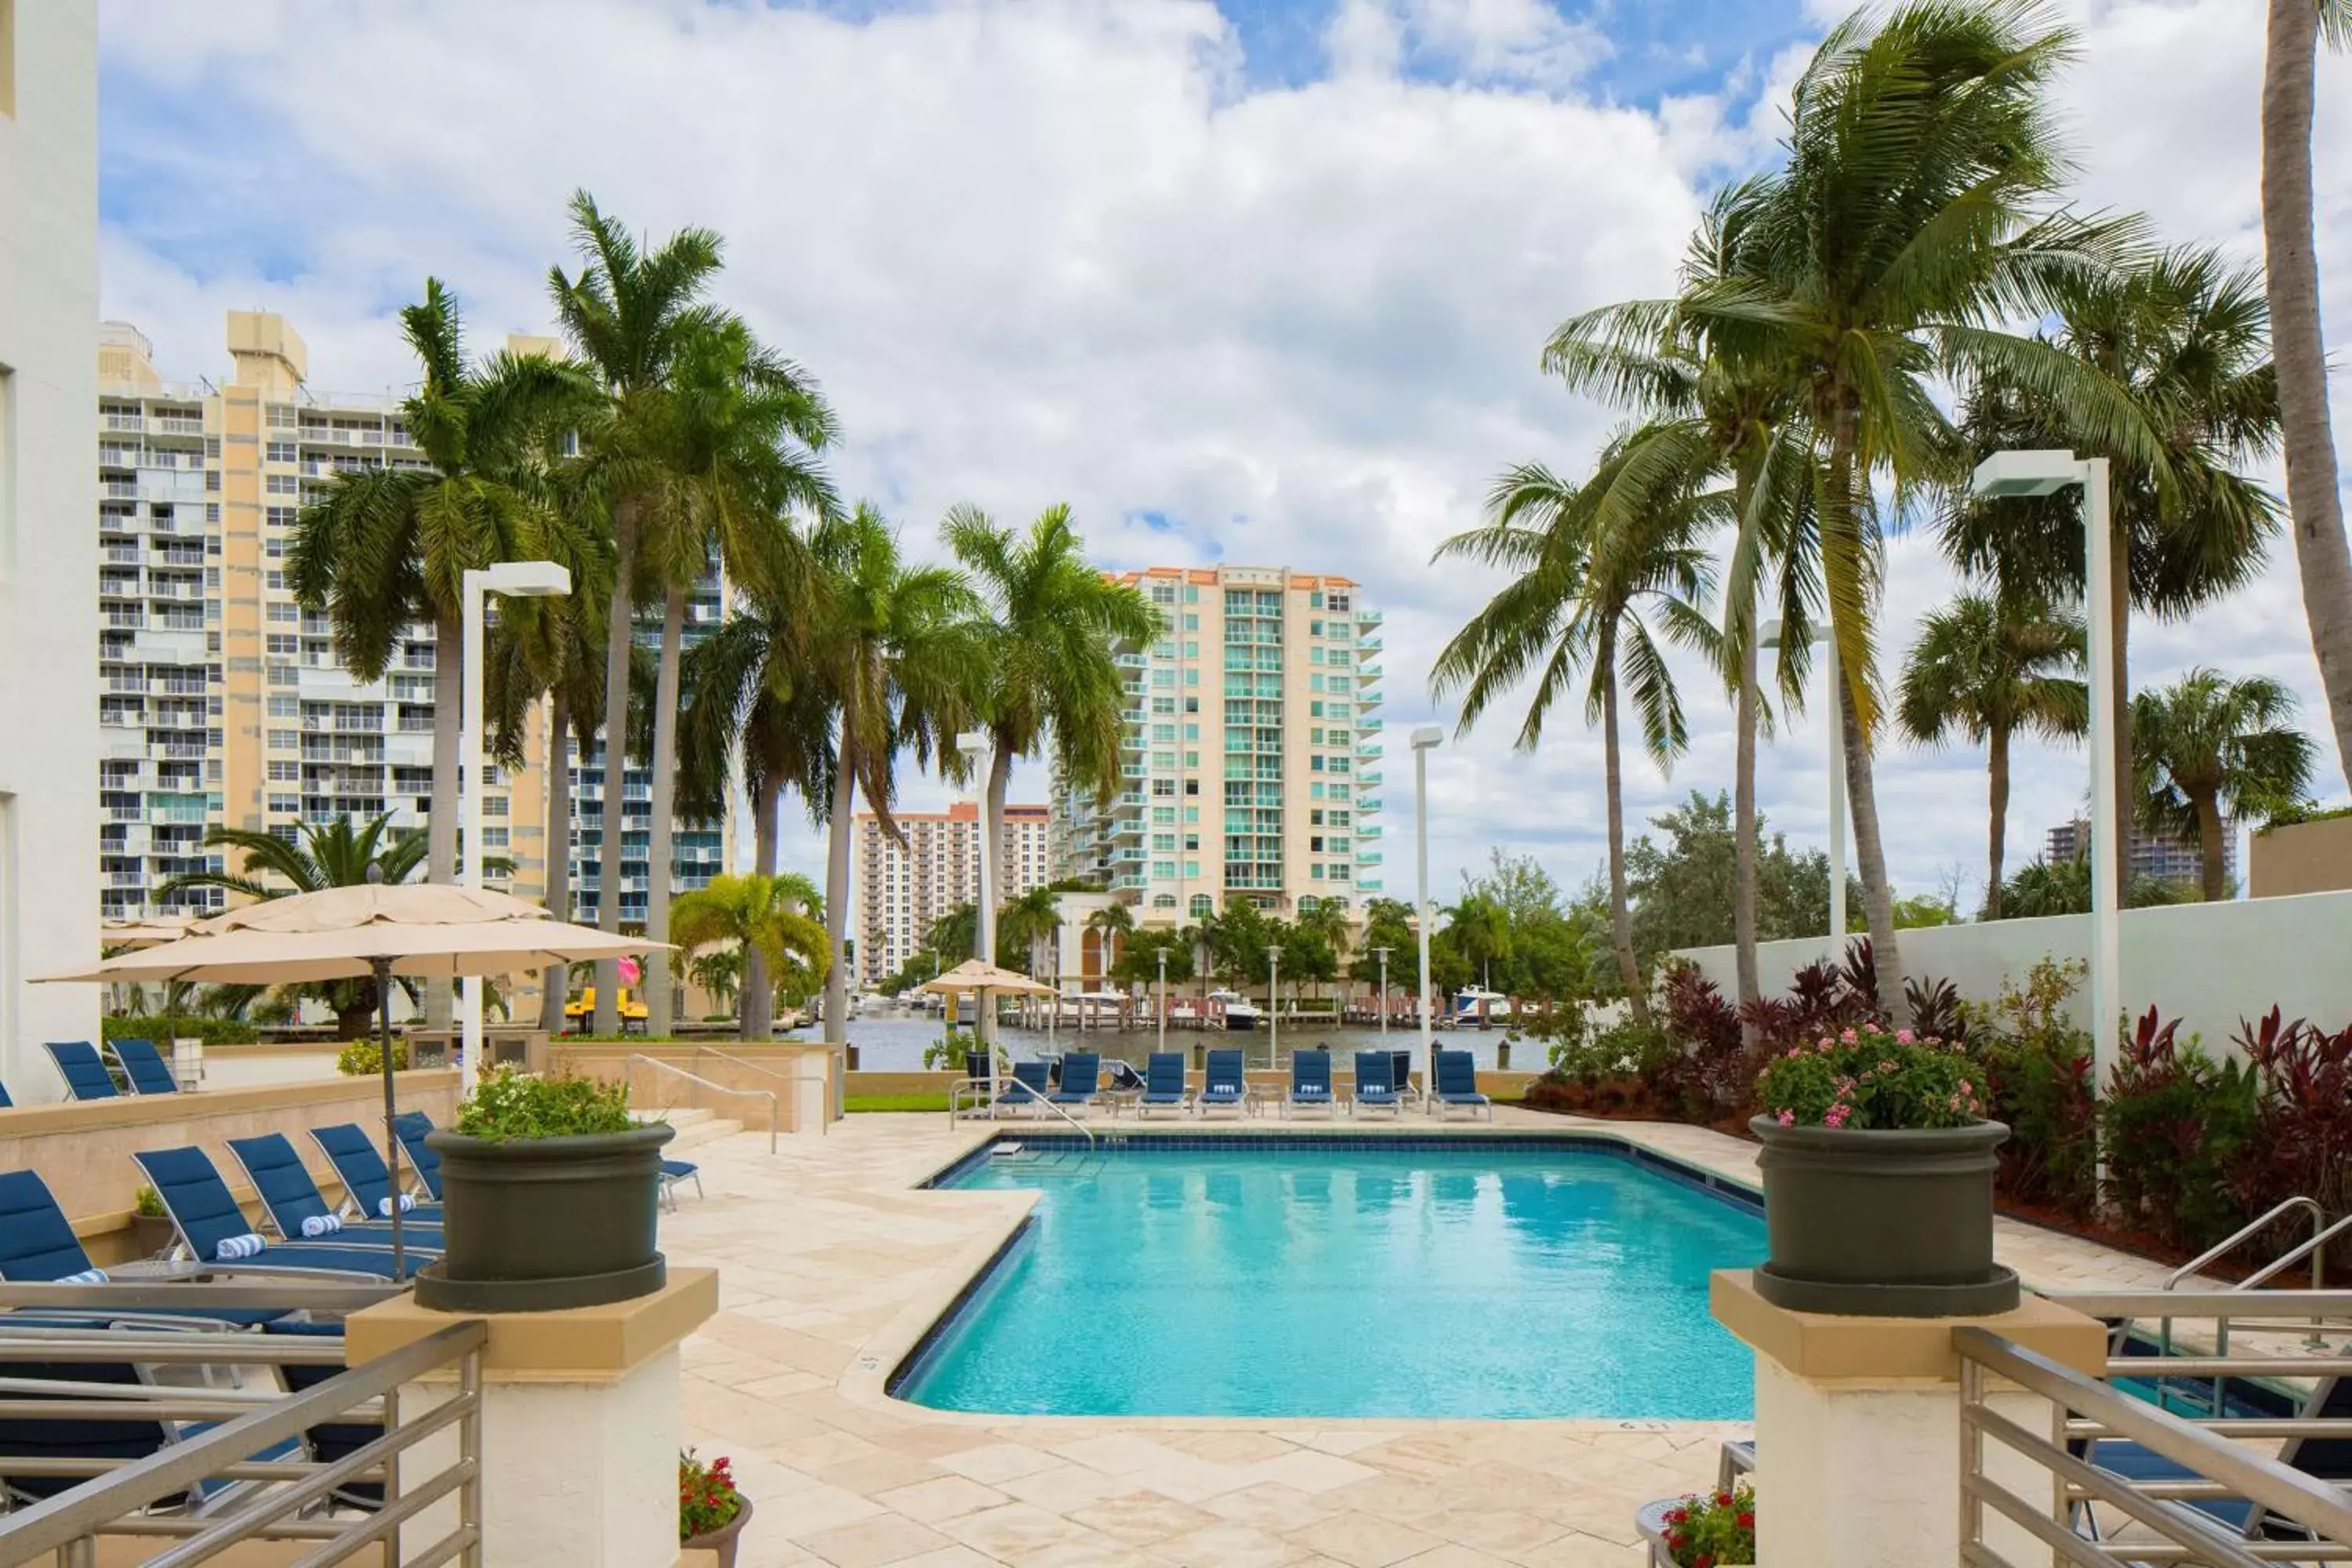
(1997, 790)
(2212, 837)
(554, 981)
(2299, 352)
(662, 853)
(620, 618)
(1621, 919)
(441, 831)
(1861, 786)
(758, 988)
(1743, 831)
(837, 903)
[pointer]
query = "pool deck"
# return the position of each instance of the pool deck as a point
(833, 1265)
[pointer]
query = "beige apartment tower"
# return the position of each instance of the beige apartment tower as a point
(901, 891)
(1251, 759)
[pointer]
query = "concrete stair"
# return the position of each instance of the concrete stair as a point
(694, 1128)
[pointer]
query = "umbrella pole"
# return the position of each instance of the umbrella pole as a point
(391, 1111)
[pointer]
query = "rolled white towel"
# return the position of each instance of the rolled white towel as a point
(323, 1224)
(87, 1277)
(232, 1248)
(383, 1205)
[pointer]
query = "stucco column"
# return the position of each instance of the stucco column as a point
(580, 1425)
(1858, 1428)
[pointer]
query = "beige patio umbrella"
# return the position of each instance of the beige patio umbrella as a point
(425, 930)
(123, 935)
(987, 980)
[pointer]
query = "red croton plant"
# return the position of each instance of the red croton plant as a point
(707, 1497)
(1713, 1532)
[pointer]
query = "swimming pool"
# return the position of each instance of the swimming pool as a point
(1391, 1277)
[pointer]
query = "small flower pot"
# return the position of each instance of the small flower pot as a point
(540, 1225)
(1883, 1223)
(722, 1540)
(153, 1234)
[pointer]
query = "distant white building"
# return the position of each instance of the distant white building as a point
(2163, 855)
(49, 553)
(901, 891)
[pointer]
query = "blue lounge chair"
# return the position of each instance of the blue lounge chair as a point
(2325, 1459)
(1400, 1073)
(1376, 1087)
(5, 1103)
(1032, 1082)
(410, 1127)
(145, 1066)
(298, 1211)
(1457, 1085)
(215, 1229)
(359, 1165)
(85, 1073)
(1164, 1088)
(1081, 1079)
(1226, 1088)
(1310, 1084)
(37, 1246)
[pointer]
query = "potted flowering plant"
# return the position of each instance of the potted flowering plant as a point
(711, 1512)
(1878, 1172)
(1705, 1532)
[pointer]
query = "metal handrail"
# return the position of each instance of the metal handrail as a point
(719, 1088)
(825, 1124)
(2244, 1234)
(2226, 1468)
(71, 1524)
(1033, 1098)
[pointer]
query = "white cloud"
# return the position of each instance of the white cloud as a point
(1056, 251)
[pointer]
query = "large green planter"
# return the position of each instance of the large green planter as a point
(538, 1225)
(1882, 1223)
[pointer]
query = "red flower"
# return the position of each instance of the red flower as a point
(1747, 1521)
(1723, 1499)
(1706, 1559)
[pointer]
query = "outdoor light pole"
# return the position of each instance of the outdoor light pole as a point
(2041, 473)
(1423, 739)
(973, 744)
(1384, 989)
(1836, 696)
(512, 580)
(1272, 1001)
(1163, 998)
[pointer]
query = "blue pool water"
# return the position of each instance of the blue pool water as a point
(1492, 1280)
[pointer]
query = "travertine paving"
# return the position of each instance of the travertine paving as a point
(832, 1265)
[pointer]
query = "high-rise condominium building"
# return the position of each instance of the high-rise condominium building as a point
(1251, 759)
(2160, 854)
(901, 891)
(220, 701)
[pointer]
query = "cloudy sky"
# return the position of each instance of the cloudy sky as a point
(1259, 282)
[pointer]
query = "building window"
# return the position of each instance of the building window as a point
(1202, 904)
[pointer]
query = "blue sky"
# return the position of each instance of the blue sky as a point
(1260, 285)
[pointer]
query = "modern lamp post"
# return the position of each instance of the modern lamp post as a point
(510, 579)
(1836, 710)
(1273, 1004)
(974, 745)
(1384, 953)
(2041, 473)
(1163, 956)
(1424, 740)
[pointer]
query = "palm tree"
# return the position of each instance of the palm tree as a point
(2292, 277)
(2183, 336)
(385, 547)
(1024, 926)
(1984, 668)
(1482, 933)
(1110, 924)
(769, 915)
(1921, 206)
(891, 649)
(720, 454)
(631, 315)
(1046, 668)
(1592, 558)
(2209, 748)
(330, 855)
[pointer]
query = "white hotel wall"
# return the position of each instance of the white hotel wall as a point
(48, 551)
(2209, 964)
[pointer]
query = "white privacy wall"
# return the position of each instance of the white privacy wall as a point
(2209, 964)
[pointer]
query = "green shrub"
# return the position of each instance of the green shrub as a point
(364, 1058)
(1713, 1530)
(1873, 1078)
(507, 1105)
(2040, 1065)
(147, 1200)
(164, 1031)
(2177, 1126)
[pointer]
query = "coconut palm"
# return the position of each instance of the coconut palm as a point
(2183, 335)
(2291, 278)
(718, 460)
(1024, 927)
(2209, 749)
(1111, 926)
(1045, 673)
(1481, 931)
(1596, 561)
(385, 547)
(1983, 669)
(749, 700)
(892, 649)
(330, 855)
(763, 914)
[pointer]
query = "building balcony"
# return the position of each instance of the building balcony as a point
(1368, 856)
(1371, 752)
(1368, 699)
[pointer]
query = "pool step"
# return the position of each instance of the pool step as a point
(694, 1128)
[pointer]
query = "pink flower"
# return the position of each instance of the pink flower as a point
(1905, 1037)
(1866, 1075)
(1826, 1047)
(1966, 1087)
(1887, 1066)
(1836, 1115)
(1788, 1119)
(1956, 1102)
(1850, 1037)
(1796, 1050)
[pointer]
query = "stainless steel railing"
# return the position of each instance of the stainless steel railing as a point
(675, 1070)
(286, 1498)
(977, 1095)
(825, 1124)
(2293, 1516)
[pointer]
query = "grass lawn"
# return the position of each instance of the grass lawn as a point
(858, 1102)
